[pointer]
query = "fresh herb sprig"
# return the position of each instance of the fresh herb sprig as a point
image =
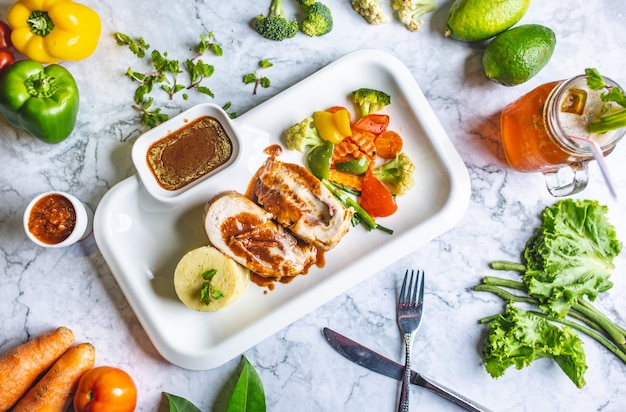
(208, 293)
(614, 119)
(257, 78)
(166, 74)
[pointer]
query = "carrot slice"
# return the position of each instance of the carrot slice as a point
(365, 142)
(55, 390)
(388, 144)
(346, 179)
(20, 367)
(372, 123)
(346, 150)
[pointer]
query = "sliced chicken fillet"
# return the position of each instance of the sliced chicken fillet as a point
(242, 230)
(301, 203)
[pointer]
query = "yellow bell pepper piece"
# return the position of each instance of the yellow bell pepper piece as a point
(342, 120)
(50, 31)
(333, 127)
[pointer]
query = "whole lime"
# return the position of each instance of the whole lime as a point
(518, 54)
(476, 20)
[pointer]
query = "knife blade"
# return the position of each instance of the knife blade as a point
(376, 362)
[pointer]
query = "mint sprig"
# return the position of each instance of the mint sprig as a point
(607, 121)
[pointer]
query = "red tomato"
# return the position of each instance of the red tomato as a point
(105, 389)
(372, 123)
(6, 59)
(376, 199)
(5, 35)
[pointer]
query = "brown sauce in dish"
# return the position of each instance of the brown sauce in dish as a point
(189, 153)
(52, 219)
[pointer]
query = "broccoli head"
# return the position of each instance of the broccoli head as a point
(302, 134)
(410, 11)
(370, 100)
(275, 26)
(396, 174)
(318, 19)
(370, 10)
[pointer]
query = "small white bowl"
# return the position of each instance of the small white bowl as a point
(144, 143)
(82, 227)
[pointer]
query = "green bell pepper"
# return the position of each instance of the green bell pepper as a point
(354, 167)
(41, 100)
(320, 158)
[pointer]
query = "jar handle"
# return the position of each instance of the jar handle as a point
(575, 182)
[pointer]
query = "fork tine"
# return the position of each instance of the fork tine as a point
(419, 286)
(402, 298)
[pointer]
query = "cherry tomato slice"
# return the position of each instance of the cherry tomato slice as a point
(105, 389)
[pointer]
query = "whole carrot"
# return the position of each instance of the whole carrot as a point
(20, 367)
(55, 391)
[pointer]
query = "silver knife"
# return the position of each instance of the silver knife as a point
(371, 360)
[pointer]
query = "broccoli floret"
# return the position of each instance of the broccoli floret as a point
(275, 26)
(410, 11)
(396, 174)
(371, 10)
(318, 19)
(303, 134)
(370, 100)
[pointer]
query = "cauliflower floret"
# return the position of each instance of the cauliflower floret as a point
(371, 10)
(410, 11)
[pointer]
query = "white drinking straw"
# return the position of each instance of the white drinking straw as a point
(599, 156)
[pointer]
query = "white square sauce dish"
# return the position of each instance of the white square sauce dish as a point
(185, 151)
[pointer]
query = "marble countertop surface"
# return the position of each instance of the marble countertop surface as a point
(44, 288)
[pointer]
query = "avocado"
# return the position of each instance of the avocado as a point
(518, 54)
(476, 20)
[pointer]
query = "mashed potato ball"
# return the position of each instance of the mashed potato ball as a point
(206, 280)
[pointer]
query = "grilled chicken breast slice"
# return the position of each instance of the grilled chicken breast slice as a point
(301, 203)
(240, 229)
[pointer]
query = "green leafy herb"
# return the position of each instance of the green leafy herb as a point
(611, 120)
(568, 261)
(179, 404)
(138, 47)
(248, 394)
(207, 292)
(166, 74)
(257, 78)
(265, 64)
(206, 44)
(150, 117)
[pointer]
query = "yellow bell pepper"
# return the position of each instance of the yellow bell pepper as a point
(333, 126)
(50, 31)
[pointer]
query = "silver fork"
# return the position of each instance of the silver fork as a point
(409, 314)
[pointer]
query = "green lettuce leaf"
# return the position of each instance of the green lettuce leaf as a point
(570, 255)
(519, 337)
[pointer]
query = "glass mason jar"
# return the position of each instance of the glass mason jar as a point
(539, 130)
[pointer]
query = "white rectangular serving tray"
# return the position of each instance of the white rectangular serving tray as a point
(143, 239)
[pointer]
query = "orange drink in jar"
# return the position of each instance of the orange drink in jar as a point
(539, 130)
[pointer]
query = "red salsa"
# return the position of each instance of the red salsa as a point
(52, 219)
